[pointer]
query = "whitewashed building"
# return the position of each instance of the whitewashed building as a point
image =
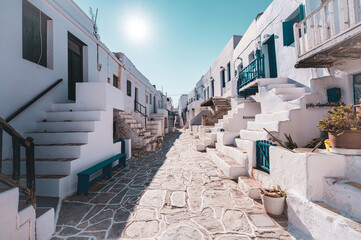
(59, 85)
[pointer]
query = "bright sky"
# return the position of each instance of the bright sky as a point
(172, 42)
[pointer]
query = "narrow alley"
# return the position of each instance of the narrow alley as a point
(172, 193)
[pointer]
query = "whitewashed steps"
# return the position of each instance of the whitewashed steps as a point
(238, 154)
(229, 166)
(58, 150)
(60, 137)
(49, 185)
(258, 126)
(272, 117)
(73, 116)
(270, 81)
(254, 135)
(43, 166)
(318, 220)
(289, 90)
(281, 85)
(65, 126)
(250, 186)
(344, 195)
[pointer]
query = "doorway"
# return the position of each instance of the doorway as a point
(272, 62)
(75, 64)
(154, 105)
(135, 98)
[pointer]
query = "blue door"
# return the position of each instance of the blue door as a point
(272, 62)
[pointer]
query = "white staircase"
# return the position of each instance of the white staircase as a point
(236, 119)
(278, 99)
(18, 221)
(71, 138)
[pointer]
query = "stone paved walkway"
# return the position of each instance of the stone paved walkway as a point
(173, 193)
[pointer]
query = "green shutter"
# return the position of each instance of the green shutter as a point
(288, 37)
(302, 12)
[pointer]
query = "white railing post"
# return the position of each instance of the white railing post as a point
(344, 24)
(352, 12)
(303, 38)
(332, 19)
(296, 30)
(310, 34)
(324, 24)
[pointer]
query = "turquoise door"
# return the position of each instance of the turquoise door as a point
(270, 42)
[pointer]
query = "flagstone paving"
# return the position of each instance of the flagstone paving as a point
(175, 192)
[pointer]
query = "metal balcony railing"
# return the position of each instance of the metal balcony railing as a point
(252, 72)
(330, 20)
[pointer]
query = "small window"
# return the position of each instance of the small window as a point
(229, 72)
(115, 81)
(146, 99)
(251, 57)
(35, 36)
(150, 99)
(109, 80)
(129, 88)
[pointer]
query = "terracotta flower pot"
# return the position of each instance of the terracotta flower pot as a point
(274, 206)
(349, 139)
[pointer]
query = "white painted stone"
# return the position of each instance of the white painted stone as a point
(178, 199)
(153, 198)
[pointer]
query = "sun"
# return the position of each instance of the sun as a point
(137, 28)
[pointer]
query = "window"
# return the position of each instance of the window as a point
(212, 84)
(207, 92)
(223, 81)
(146, 99)
(35, 25)
(251, 57)
(115, 81)
(287, 26)
(129, 88)
(109, 80)
(229, 72)
(150, 99)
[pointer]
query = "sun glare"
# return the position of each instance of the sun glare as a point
(137, 28)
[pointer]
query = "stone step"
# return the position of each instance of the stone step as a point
(238, 154)
(258, 126)
(290, 96)
(229, 166)
(45, 223)
(135, 125)
(273, 117)
(281, 85)
(254, 135)
(74, 116)
(344, 195)
(250, 186)
(289, 90)
(60, 137)
(317, 220)
(283, 106)
(212, 136)
(353, 168)
(63, 107)
(43, 166)
(57, 151)
(144, 133)
(129, 121)
(208, 142)
(77, 126)
(269, 81)
(242, 143)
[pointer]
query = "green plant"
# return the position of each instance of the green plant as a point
(315, 141)
(339, 119)
(276, 192)
(290, 144)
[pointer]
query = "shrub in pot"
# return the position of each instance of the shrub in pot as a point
(343, 126)
(273, 200)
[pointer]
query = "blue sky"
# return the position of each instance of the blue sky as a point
(181, 38)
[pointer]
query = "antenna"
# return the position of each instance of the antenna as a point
(95, 22)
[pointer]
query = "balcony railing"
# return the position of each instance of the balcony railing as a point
(330, 20)
(252, 72)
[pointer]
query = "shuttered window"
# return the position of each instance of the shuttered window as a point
(287, 26)
(34, 34)
(115, 81)
(229, 72)
(129, 88)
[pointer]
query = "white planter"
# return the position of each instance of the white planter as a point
(273, 205)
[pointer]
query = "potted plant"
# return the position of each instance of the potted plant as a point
(343, 126)
(273, 200)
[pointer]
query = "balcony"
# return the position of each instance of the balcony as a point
(329, 34)
(250, 73)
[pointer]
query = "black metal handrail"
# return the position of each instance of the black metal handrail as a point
(138, 107)
(17, 141)
(36, 98)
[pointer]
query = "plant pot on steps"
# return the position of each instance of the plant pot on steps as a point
(273, 205)
(350, 139)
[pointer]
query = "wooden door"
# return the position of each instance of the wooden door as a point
(75, 65)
